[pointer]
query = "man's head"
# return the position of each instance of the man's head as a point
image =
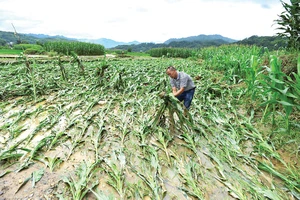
(172, 72)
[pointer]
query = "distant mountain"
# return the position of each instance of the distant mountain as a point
(8, 37)
(43, 36)
(202, 38)
(108, 43)
(199, 41)
(31, 38)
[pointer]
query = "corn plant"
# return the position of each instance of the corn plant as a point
(31, 73)
(163, 138)
(84, 182)
(62, 68)
(100, 195)
(28, 161)
(189, 172)
(174, 107)
(292, 185)
(101, 69)
(289, 23)
(252, 73)
(151, 177)
(143, 143)
(117, 173)
(97, 137)
(117, 81)
(34, 177)
(79, 63)
(51, 162)
(278, 92)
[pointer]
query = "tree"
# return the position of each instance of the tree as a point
(289, 23)
(2, 42)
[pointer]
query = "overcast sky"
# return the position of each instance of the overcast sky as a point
(141, 20)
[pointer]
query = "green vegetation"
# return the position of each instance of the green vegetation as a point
(59, 46)
(109, 129)
(30, 48)
(289, 22)
(80, 48)
(138, 54)
(63, 48)
(10, 51)
(270, 42)
(171, 52)
(106, 131)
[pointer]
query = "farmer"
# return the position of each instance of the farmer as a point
(183, 87)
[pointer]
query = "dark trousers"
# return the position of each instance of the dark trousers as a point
(187, 97)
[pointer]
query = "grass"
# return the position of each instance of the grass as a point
(129, 54)
(10, 51)
(138, 54)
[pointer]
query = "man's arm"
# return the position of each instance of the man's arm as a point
(179, 92)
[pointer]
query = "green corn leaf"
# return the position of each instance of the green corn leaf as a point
(4, 173)
(276, 80)
(285, 103)
(271, 194)
(36, 176)
(298, 65)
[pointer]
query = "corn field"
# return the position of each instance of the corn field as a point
(102, 129)
(80, 48)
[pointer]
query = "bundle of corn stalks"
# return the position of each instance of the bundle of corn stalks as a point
(174, 106)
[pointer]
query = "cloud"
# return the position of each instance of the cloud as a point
(267, 4)
(172, 1)
(145, 21)
(141, 9)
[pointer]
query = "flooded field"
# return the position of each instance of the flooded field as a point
(102, 137)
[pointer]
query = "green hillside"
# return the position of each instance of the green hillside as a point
(271, 42)
(8, 37)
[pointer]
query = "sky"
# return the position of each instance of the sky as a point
(141, 20)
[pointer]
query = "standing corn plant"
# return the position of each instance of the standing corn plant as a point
(274, 80)
(30, 72)
(62, 68)
(289, 22)
(252, 73)
(278, 92)
(33, 81)
(77, 59)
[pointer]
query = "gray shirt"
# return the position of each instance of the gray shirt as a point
(182, 80)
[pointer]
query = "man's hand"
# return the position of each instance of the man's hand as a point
(178, 92)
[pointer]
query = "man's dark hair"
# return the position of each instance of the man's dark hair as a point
(171, 68)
